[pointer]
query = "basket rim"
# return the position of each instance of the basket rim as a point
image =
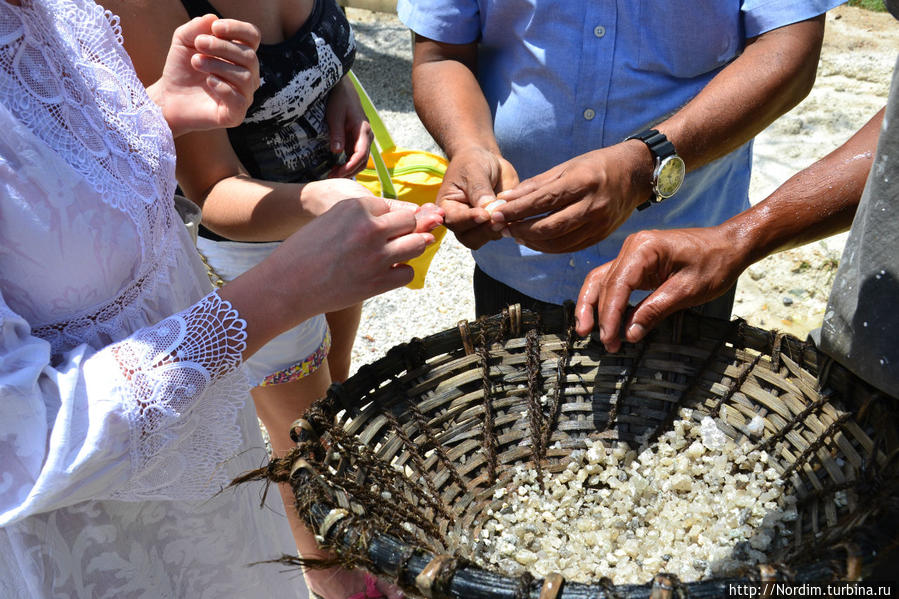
(417, 568)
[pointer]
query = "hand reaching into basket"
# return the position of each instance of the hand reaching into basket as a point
(684, 268)
(687, 267)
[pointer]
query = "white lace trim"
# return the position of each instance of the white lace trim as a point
(116, 26)
(167, 369)
(68, 79)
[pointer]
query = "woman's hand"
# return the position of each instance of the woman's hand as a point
(352, 252)
(427, 216)
(317, 197)
(210, 75)
(350, 131)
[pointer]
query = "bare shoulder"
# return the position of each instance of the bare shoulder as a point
(147, 27)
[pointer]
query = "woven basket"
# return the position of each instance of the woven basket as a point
(454, 409)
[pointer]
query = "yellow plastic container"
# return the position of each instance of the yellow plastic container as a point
(416, 177)
(402, 174)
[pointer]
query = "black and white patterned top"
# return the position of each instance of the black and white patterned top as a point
(284, 136)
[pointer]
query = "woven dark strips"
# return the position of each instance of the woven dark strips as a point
(433, 496)
(689, 386)
(400, 508)
(378, 515)
(630, 375)
(817, 444)
(779, 380)
(434, 443)
(776, 349)
(489, 437)
(561, 379)
(791, 424)
(736, 384)
(441, 400)
(534, 409)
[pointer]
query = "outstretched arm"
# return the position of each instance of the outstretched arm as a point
(122, 421)
(243, 208)
(686, 267)
(450, 103)
(581, 201)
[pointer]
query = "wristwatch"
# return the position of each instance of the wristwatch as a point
(669, 171)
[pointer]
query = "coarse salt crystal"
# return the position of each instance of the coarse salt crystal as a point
(683, 510)
(712, 437)
(756, 426)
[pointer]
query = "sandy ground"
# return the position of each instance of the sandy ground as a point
(787, 291)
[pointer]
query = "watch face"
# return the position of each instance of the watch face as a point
(670, 176)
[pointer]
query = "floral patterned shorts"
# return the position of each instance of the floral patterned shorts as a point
(300, 369)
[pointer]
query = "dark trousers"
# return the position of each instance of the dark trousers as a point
(491, 296)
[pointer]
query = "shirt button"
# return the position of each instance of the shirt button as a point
(571, 263)
(599, 31)
(589, 114)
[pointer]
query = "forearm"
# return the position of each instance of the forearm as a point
(774, 73)
(353, 252)
(448, 97)
(242, 208)
(280, 311)
(246, 209)
(236, 205)
(815, 203)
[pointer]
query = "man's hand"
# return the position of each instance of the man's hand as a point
(210, 75)
(688, 267)
(684, 267)
(472, 180)
(579, 202)
(350, 131)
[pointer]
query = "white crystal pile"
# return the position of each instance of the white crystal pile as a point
(693, 504)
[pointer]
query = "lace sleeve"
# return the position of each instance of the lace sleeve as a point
(152, 416)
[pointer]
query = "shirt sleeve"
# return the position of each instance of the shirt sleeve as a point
(761, 16)
(447, 21)
(150, 417)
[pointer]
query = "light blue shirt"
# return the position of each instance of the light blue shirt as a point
(567, 77)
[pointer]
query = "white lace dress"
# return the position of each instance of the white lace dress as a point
(123, 410)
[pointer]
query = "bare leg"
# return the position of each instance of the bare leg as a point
(278, 406)
(343, 324)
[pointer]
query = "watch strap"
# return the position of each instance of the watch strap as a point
(660, 148)
(657, 143)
